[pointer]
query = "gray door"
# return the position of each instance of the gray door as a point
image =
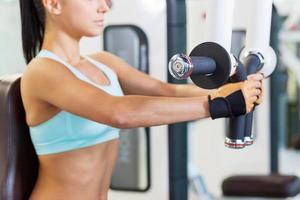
(133, 168)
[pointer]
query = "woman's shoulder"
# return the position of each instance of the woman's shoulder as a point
(34, 80)
(39, 69)
(40, 64)
(34, 68)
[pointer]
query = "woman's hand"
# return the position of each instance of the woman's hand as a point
(251, 90)
(260, 96)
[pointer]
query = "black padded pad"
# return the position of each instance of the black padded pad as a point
(223, 65)
(279, 186)
(296, 143)
(18, 160)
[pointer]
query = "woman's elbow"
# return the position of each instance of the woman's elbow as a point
(122, 121)
(125, 116)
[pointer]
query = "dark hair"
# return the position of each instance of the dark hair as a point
(33, 24)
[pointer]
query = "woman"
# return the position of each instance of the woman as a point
(75, 105)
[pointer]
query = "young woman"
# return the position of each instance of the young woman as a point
(75, 104)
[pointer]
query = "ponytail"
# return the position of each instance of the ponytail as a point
(33, 24)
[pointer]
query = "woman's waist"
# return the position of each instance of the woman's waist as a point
(69, 181)
(76, 161)
(65, 187)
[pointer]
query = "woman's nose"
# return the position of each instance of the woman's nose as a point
(103, 5)
(109, 3)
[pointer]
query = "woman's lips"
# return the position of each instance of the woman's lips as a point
(99, 23)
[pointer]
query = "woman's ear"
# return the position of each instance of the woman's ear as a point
(53, 6)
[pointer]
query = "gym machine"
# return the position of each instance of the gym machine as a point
(210, 64)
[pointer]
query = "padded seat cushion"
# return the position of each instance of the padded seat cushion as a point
(261, 186)
(18, 161)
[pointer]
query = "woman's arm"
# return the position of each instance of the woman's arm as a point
(50, 82)
(145, 111)
(135, 82)
(189, 90)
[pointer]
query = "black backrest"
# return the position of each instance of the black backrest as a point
(18, 160)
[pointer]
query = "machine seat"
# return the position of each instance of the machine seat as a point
(274, 185)
(18, 161)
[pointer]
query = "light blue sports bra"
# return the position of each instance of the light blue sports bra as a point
(66, 131)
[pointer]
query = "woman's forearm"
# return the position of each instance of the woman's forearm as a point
(189, 90)
(142, 111)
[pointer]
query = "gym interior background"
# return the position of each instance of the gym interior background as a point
(145, 160)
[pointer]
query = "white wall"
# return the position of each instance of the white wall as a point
(11, 55)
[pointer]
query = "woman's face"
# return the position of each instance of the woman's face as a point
(82, 17)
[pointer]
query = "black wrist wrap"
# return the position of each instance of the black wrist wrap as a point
(231, 106)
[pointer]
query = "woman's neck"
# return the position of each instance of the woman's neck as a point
(63, 45)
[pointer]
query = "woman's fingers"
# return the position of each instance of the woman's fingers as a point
(256, 77)
(253, 99)
(255, 92)
(252, 91)
(254, 84)
(260, 97)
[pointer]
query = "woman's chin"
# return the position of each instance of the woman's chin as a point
(94, 33)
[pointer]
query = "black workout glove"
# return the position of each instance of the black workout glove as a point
(230, 106)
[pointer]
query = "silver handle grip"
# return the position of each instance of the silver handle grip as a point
(180, 66)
